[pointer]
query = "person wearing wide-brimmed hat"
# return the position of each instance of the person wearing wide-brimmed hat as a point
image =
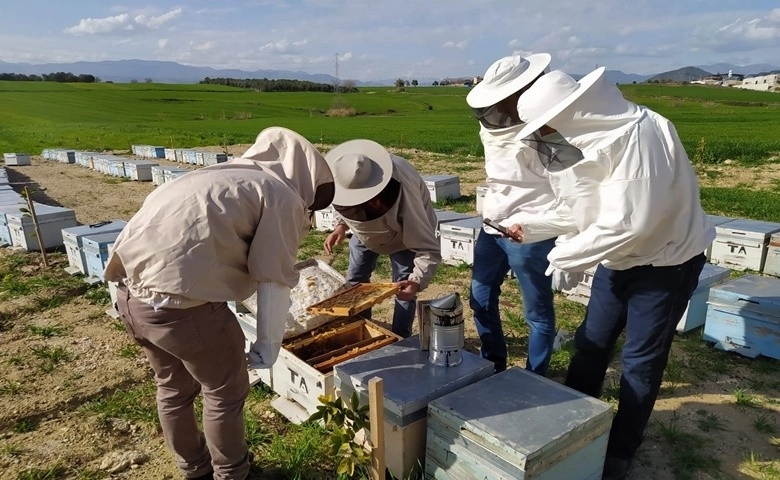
(382, 199)
(630, 195)
(516, 183)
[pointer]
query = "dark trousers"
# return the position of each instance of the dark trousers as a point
(646, 302)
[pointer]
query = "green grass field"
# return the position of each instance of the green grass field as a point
(732, 124)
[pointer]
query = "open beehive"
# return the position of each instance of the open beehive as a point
(354, 299)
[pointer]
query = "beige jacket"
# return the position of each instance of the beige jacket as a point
(213, 234)
(409, 225)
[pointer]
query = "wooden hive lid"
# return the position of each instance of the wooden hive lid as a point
(354, 299)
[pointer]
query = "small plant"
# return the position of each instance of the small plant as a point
(767, 469)
(25, 425)
(50, 357)
(11, 450)
(342, 423)
(745, 398)
(55, 471)
(764, 424)
(10, 388)
(129, 351)
(46, 331)
(98, 296)
(708, 421)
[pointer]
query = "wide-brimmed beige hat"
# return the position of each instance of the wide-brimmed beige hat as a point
(506, 76)
(361, 169)
(549, 96)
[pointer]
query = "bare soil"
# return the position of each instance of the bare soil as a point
(60, 433)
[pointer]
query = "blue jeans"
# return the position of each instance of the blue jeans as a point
(362, 263)
(493, 257)
(646, 302)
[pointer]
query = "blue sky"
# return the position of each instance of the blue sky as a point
(382, 39)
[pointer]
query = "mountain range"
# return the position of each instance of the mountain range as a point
(124, 71)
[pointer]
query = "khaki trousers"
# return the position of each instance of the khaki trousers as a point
(195, 350)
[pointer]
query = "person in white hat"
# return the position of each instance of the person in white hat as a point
(630, 197)
(382, 199)
(216, 234)
(516, 183)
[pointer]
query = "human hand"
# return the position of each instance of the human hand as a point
(515, 232)
(254, 359)
(563, 280)
(407, 290)
(337, 236)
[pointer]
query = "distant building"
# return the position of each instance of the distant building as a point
(767, 83)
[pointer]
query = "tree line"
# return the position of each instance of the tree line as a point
(62, 77)
(281, 85)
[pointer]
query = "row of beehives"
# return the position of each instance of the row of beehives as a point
(190, 156)
(16, 159)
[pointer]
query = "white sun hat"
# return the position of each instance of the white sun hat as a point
(549, 96)
(361, 169)
(506, 76)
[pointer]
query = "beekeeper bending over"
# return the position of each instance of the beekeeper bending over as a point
(216, 234)
(386, 204)
(628, 193)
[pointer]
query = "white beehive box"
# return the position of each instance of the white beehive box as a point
(743, 316)
(772, 263)
(458, 239)
(95, 249)
(16, 159)
(742, 244)
(325, 219)
(715, 220)
(158, 175)
(442, 187)
(139, 170)
(5, 231)
(480, 194)
(447, 216)
(517, 425)
(51, 221)
(410, 382)
(172, 173)
(696, 311)
(213, 158)
(73, 239)
(169, 154)
(581, 292)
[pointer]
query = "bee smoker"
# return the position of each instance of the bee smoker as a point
(445, 319)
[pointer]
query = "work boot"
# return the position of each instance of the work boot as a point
(269, 474)
(615, 468)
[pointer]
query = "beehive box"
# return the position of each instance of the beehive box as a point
(581, 292)
(696, 311)
(139, 170)
(171, 173)
(5, 231)
(772, 263)
(458, 239)
(213, 158)
(517, 425)
(51, 221)
(481, 191)
(743, 316)
(410, 383)
(447, 216)
(442, 187)
(73, 239)
(95, 249)
(742, 244)
(16, 159)
(325, 219)
(716, 220)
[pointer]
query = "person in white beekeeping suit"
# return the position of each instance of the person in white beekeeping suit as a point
(628, 198)
(216, 234)
(517, 183)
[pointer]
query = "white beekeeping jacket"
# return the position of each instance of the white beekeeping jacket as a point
(634, 198)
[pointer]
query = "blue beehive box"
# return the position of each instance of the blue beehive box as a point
(96, 250)
(696, 312)
(517, 425)
(743, 316)
(410, 382)
(73, 239)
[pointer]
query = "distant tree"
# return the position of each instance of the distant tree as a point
(400, 83)
(134, 81)
(435, 83)
(349, 85)
(414, 82)
(407, 83)
(147, 80)
(634, 82)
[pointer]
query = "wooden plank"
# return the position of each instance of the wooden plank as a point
(354, 299)
(351, 351)
(376, 413)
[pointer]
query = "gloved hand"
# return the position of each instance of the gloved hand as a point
(564, 280)
(273, 303)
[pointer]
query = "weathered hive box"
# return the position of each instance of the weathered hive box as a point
(95, 250)
(696, 312)
(581, 292)
(172, 173)
(189, 156)
(213, 158)
(158, 175)
(16, 159)
(442, 187)
(5, 231)
(410, 383)
(458, 239)
(772, 263)
(116, 168)
(447, 216)
(480, 194)
(325, 219)
(198, 157)
(742, 244)
(716, 220)
(743, 316)
(73, 239)
(170, 154)
(51, 221)
(139, 170)
(517, 425)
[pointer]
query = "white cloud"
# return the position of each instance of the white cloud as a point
(205, 47)
(100, 25)
(284, 46)
(162, 43)
(742, 34)
(459, 45)
(158, 21)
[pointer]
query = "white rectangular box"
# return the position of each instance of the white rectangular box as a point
(742, 244)
(325, 219)
(458, 239)
(442, 187)
(696, 312)
(73, 239)
(715, 220)
(95, 248)
(17, 159)
(517, 425)
(5, 231)
(51, 221)
(772, 263)
(447, 216)
(480, 194)
(139, 170)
